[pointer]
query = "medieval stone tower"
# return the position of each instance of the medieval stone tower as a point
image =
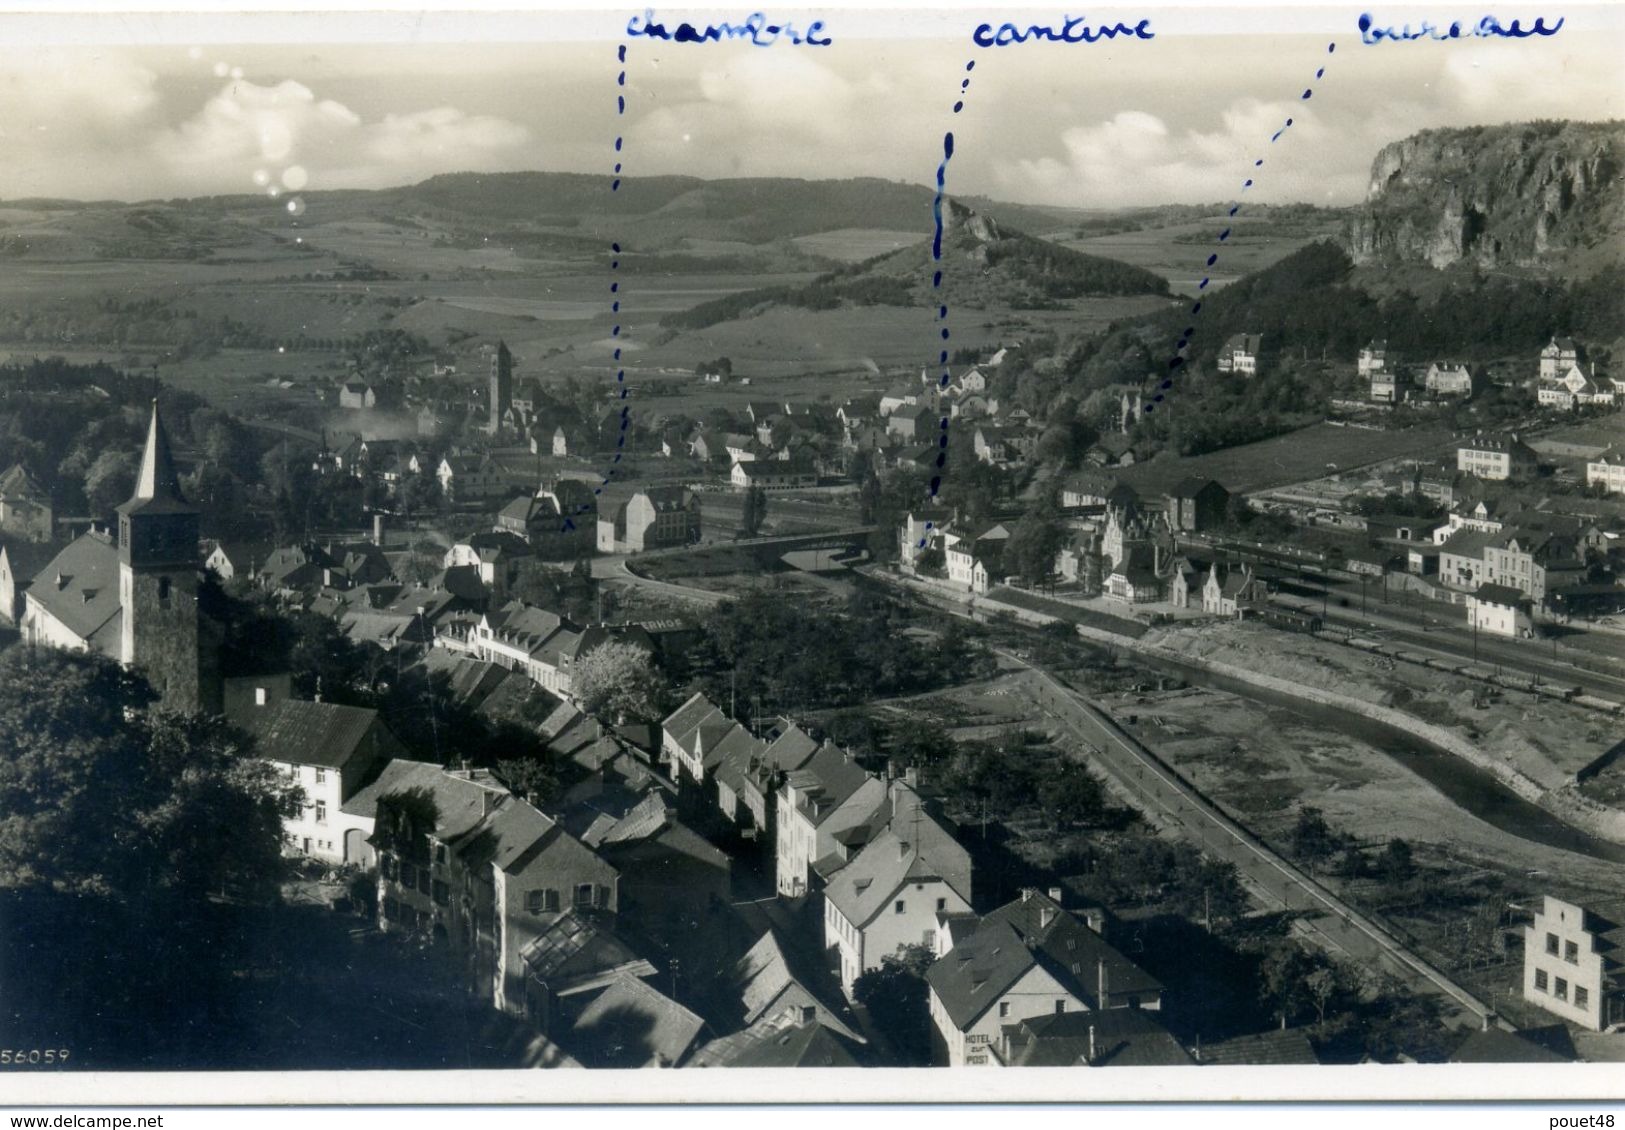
(501, 385)
(158, 577)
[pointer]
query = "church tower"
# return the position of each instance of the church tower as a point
(501, 385)
(158, 577)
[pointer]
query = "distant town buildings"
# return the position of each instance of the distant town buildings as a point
(657, 517)
(25, 506)
(1240, 354)
(1497, 458)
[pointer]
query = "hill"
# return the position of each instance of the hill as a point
(984, 265)
(1529, 194)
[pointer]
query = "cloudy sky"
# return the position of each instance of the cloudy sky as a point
(132, 115)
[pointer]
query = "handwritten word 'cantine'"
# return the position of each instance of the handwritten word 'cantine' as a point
(1072, 29)
(754, 29)
(1487, 28)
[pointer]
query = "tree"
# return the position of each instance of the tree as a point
(110, 481)
(1312, 839)
(1035, 541)
(1281, 979)
(618, 679)
(529, 777)
(1395, 864)
(896, 998)
(1070, 796)
(755, 510)
(101, 797)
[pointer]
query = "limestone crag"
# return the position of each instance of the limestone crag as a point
(1512, 195)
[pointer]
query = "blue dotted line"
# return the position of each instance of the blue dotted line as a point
(615, 300)
(936, 286)
(1178, 359)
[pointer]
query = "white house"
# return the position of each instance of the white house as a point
(829, 794)
(1239, 354)
(1500, 610)
(1607, 471)
(1029, 958)
(891, 893)
(330, 751)
(1570, 963)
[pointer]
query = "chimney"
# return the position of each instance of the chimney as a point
(891, 769)
(1103, 988)
(377, 529)
(1026, 893)
(1489, 1021)
(1046, 915)
(1055, 895)
(902, 849)
(1091, 1045)
(911, 776)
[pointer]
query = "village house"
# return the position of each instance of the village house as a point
(330, 751)
(890, 894)
(773, 474)
(25, 506)
(1136, 577)
(1374, 358)
(1607, 471)
(1500, 610)
(976, 562)
(784, 996)
(1090, 488)
(1196, 505)
(471, 478)
(656, 517)
(19, 563)
(1389, 385)
(1185, 580)
(1497, 458)
(748, 779)
(921, 530)
(1571, 966)
(553, 521)
(1029, 958)
(823, 799)
(1115, 1037)
(1461, 558)
(914, 423)
(1576, 387)
(520, 637)
(470, 866)
(1240, 354)
(1452, 378)
(1230, 591)
(1556, 357)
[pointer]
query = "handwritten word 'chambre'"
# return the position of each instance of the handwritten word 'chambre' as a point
(1487, 28)
(755, 29)
(1071, 29)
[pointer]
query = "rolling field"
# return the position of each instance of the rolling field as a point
(1176, 251)
(1292, 458)
(853, 245)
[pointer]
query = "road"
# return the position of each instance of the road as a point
(1322, 918)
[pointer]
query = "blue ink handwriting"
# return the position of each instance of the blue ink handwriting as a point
(756, 29)
(1072, 29)
(1487, 28)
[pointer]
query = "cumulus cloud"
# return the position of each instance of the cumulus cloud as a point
(245, 126)
(1135, 157)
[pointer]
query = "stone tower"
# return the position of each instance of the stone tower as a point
(501, 385)
(158, 577)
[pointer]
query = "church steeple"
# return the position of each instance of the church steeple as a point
(157, 486)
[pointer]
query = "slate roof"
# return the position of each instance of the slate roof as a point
(79, 586)
(632, 1024)
(1495, 1045)
(1121, 1037)
(831, 778)
(1281, 1046)
(893, 859)
(460, 802)
(324, 734)
(18, 483)
(157, 485)
(1012, 940)
(772, 976)
(810, 1045)
(1503, 595)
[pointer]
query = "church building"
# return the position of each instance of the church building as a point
(136, 599)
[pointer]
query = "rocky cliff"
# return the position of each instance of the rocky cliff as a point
(1497, 195)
